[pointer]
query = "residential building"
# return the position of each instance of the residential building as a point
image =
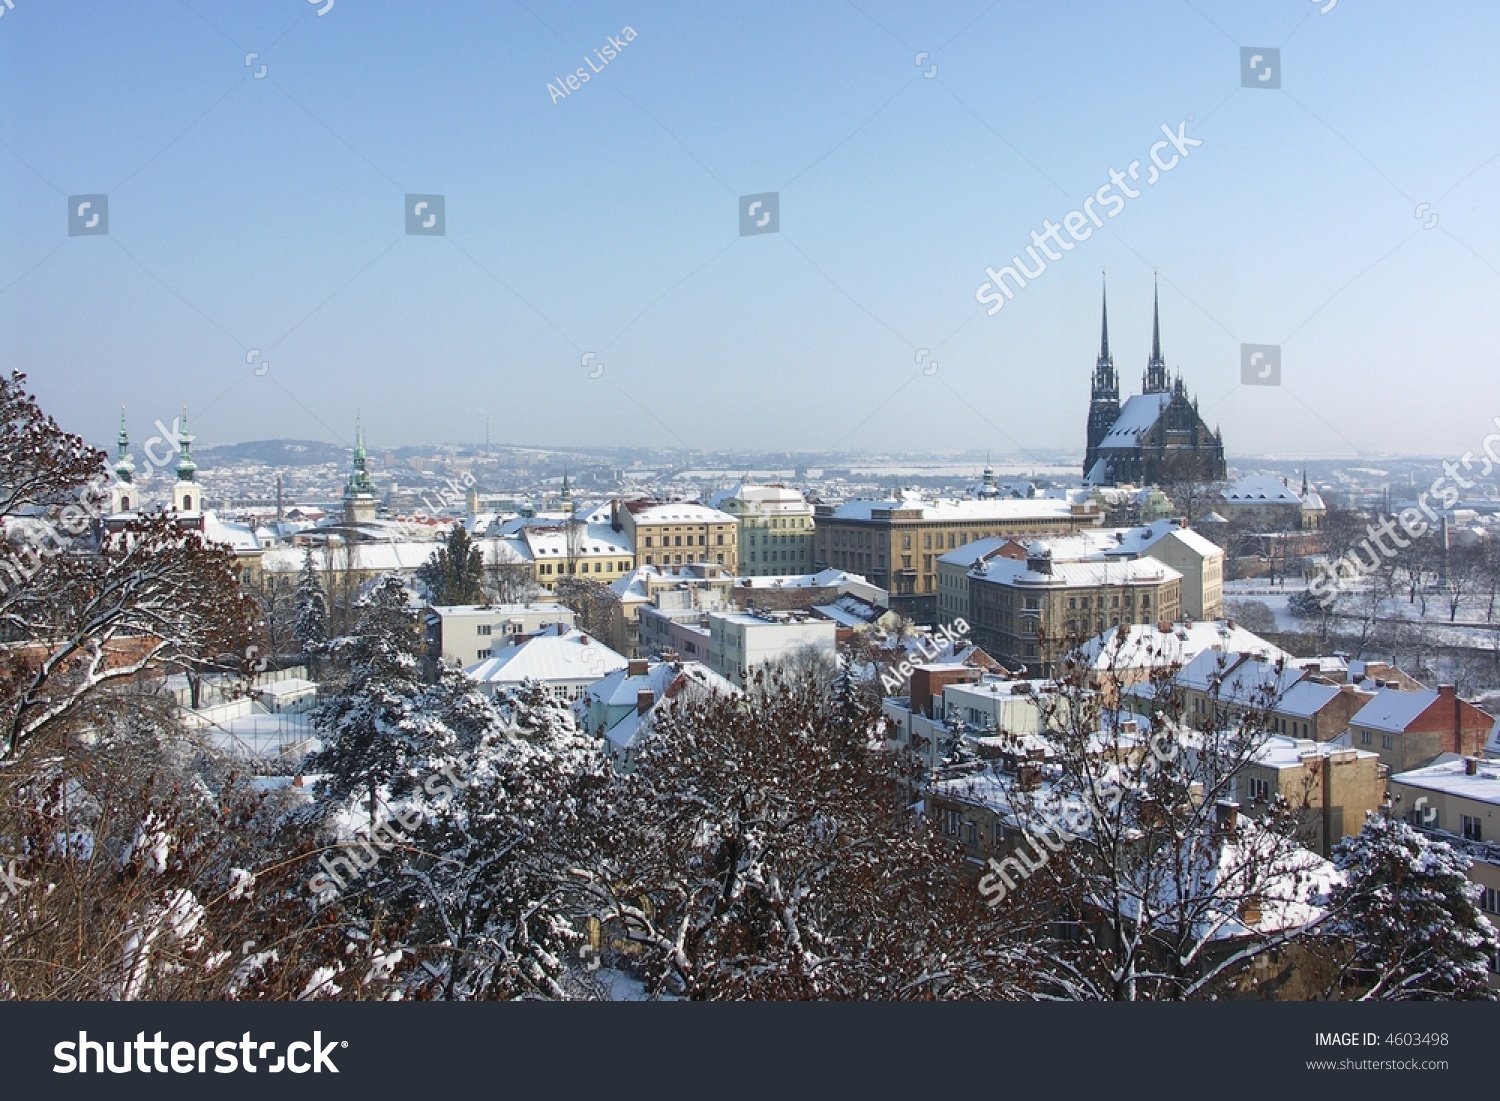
(1036, 609)
(563, 660)
(677, 533)
(1130, 654)
(698, 588)
(741, 642)
(775, 529)
(1199, 561)
(1411, 729)
(896, 543)
(467, 633)
(622, 707)
(1330, 788)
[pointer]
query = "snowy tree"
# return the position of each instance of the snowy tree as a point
(455, 572)
(1175, 893)
(311, 629)
(765, 847)
(373, 727)
(1408, 910)
(482, 899)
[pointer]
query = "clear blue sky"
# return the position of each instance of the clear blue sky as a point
(267, 213)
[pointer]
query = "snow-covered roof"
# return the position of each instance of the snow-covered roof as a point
(355, 556)
(1140, 540)
(664, 680)
(551, 541)
(958, 509)
(239, 536)
(1076, 574)
(1449, 775)
(490, 611)
(1279, 751)
(550, 659)
(1260, 489)
(676, 512)
(1145, 645)
(1394, 709)
(763, 498)
(1137, 416)
(1306, 698)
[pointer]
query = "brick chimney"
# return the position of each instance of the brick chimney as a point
(643, 701)
(637, 667)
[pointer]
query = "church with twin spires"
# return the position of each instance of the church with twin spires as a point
(1157, 437)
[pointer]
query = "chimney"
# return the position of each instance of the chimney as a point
(1471, 766)
(1028, 776)
(643, 701)
(637, 667)
(614, 515)
(1226, 817)
(1250, 910)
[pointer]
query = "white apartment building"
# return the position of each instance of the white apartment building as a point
(466, 633)
(740, 642)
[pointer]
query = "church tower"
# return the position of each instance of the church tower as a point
(187, 495)
(359, 490)
(124, 494)
(1155, 380)
(1104, 399)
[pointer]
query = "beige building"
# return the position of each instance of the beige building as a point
(1331, 788)
(1199, 561)
(775, 529)
(896, 543)
(1031, 611)
(677, 533)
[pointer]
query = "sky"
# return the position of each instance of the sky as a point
(592, 284)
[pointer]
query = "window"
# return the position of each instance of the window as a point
(648, 560)
(481, 654)
(1364, 737)
(1489, 900)
(1473, 829)
(952, 819)
(1260, 790)
(1387, 742)
(678, 543)
(720, 541)
(971, 833)
(648, 540)
(486, 629)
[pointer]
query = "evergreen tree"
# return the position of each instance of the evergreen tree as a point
(373, 727)
(510, 804)
(311, 629)
(1408, 909)
(455, 572)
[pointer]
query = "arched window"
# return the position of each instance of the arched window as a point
(124, 504)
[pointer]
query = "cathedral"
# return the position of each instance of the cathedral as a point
(1157, 436)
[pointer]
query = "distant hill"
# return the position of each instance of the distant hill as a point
(282, 453)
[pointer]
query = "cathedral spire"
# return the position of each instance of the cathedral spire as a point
(1104, 325)
(1155, 380)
